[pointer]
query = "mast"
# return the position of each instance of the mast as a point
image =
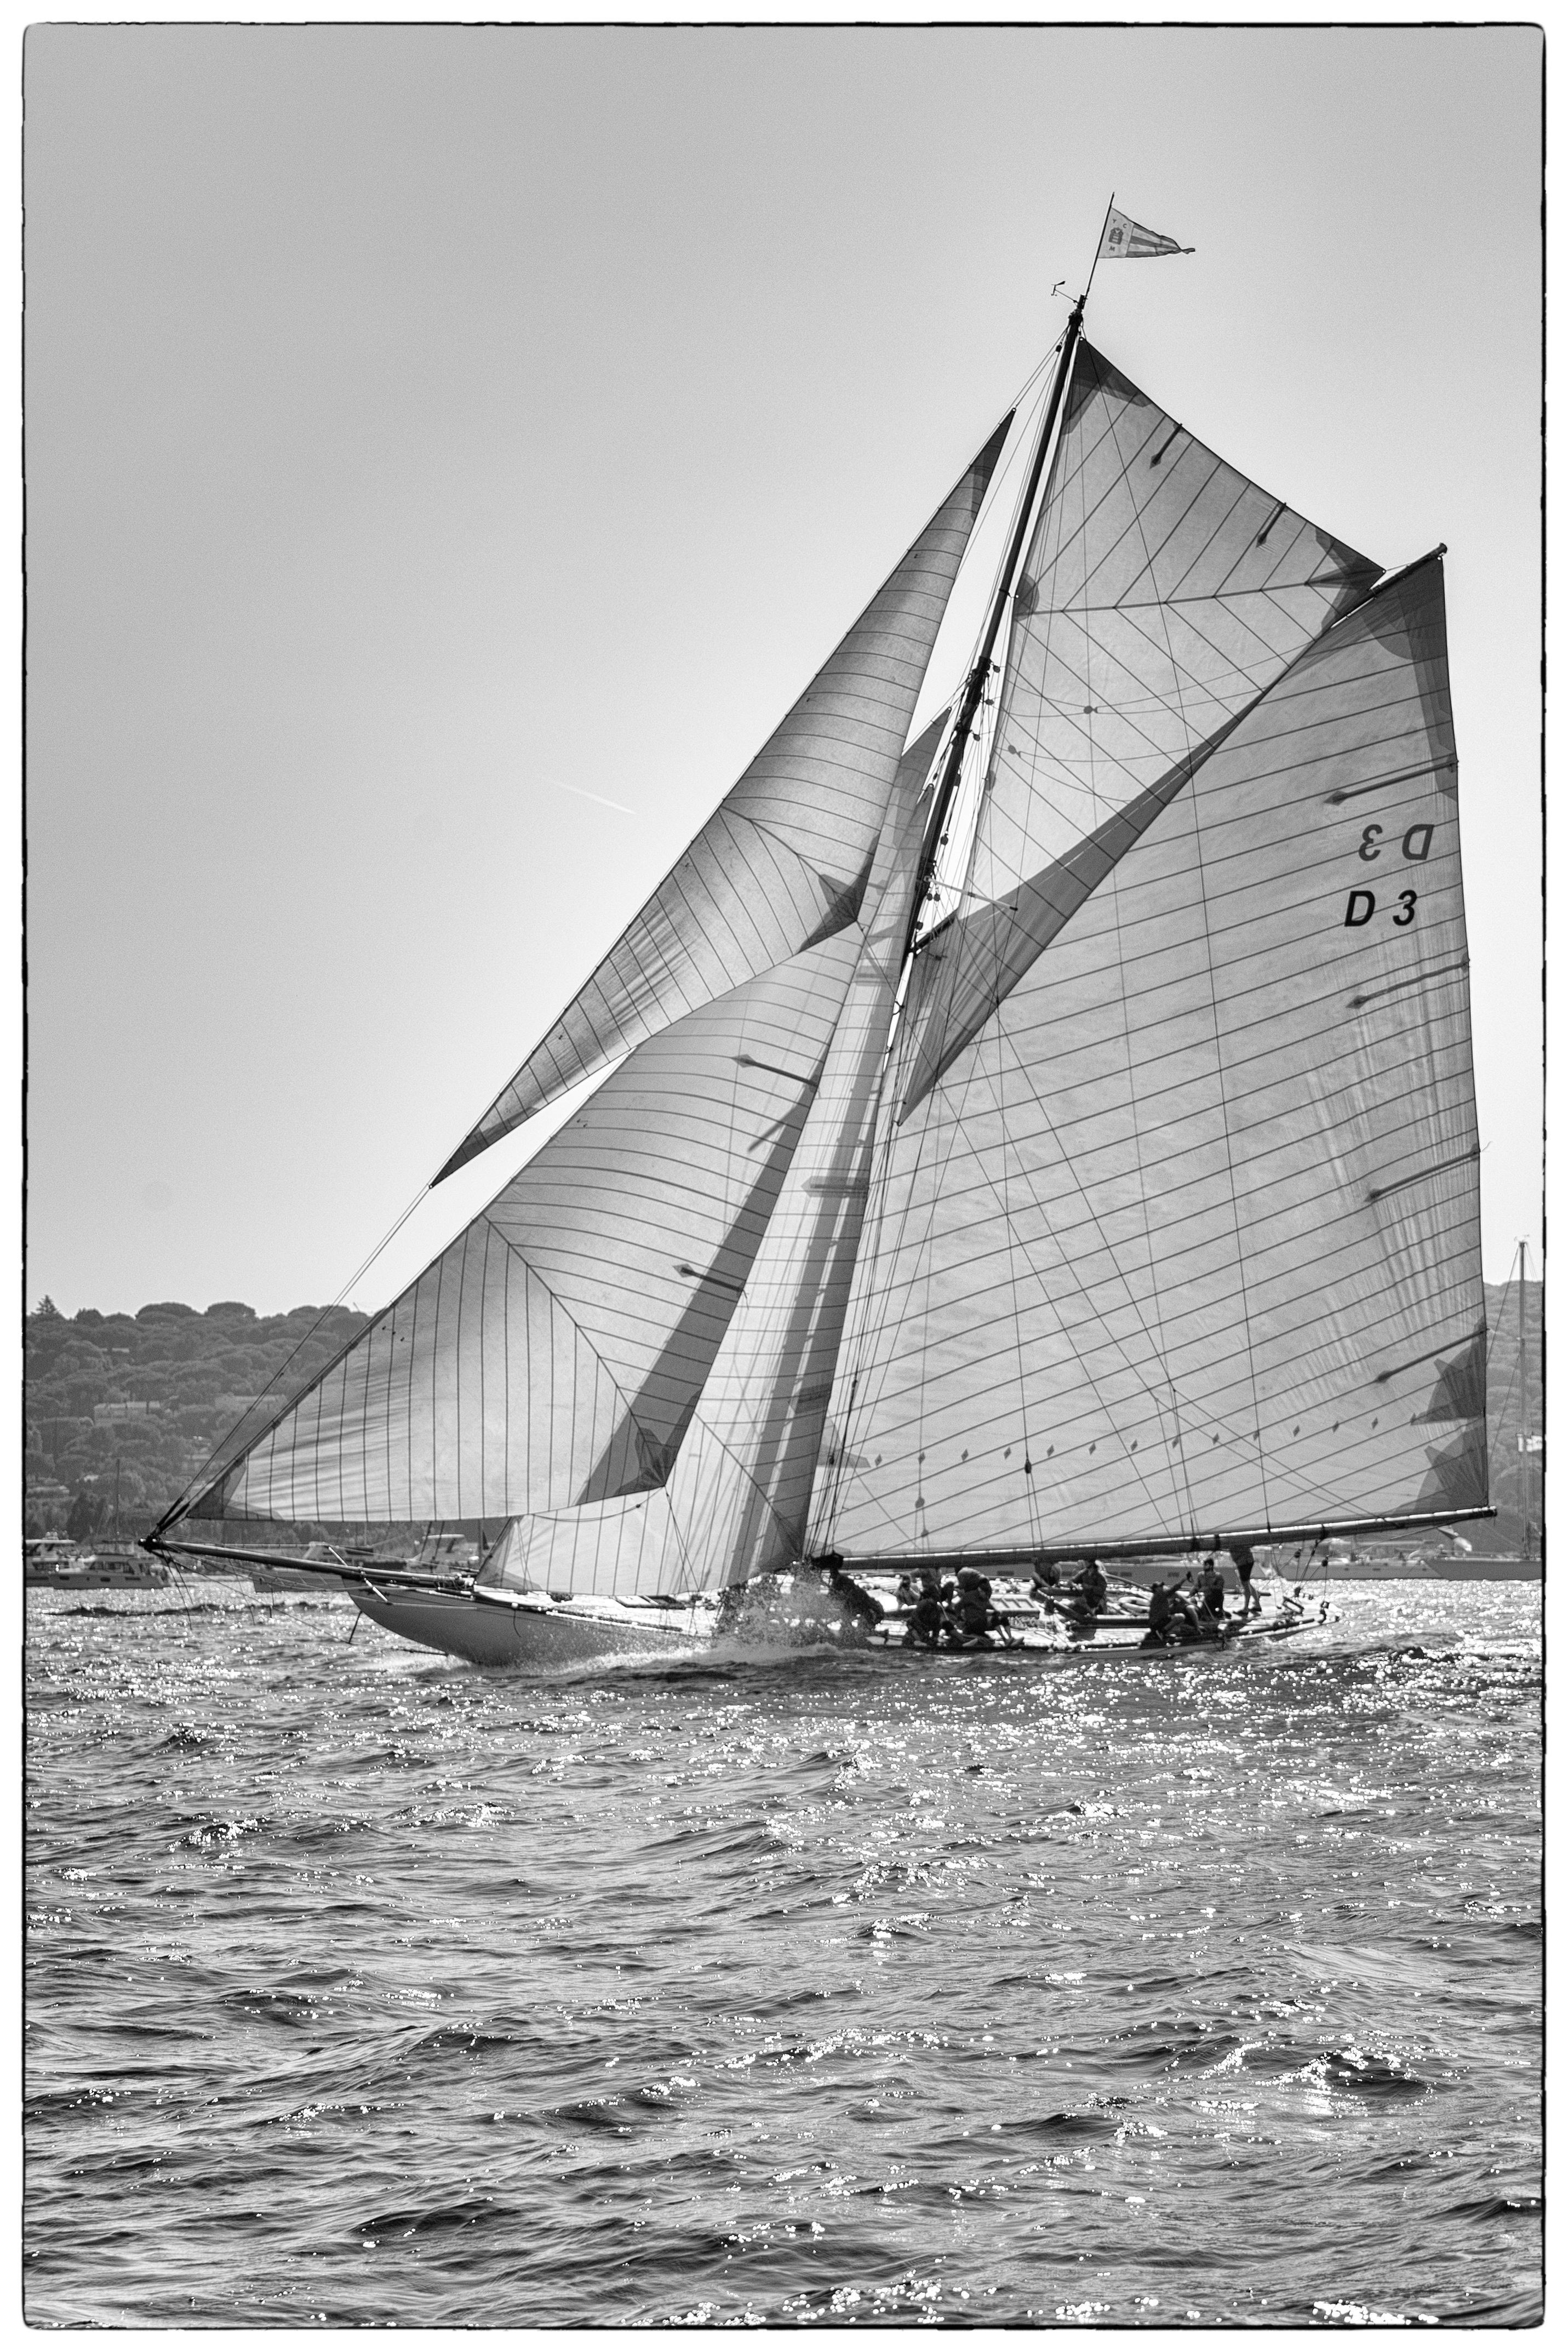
(975, 684)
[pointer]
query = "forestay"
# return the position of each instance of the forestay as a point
(1186, 1233)
(785, 859)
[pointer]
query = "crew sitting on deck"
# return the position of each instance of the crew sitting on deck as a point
(1089, 1590)
(1194, 1621)
(1045, 1584)
(928, 1619)
(973, 1618)
(1212, 1587)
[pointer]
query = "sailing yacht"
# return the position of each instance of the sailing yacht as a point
(1051, 1135)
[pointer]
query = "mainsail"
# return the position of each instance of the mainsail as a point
(785, 859)
(1179, 1228)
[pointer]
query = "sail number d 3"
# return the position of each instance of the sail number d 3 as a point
(1361, 904)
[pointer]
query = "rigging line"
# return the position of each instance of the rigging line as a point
(885, 1318)
(731, 1456)
(1043, 461)
(1024, 440)
(1029, 390)
(1254, 1068)
(1042, 633)
(1347, 1262)
(1175, 1124)
(1221, 697)
(955, 1129)
(1257, 1057)
(879, 1315)
(1006, 703)
(880, 1303)
(203, 1477)
(1030, 1502)
(1346, 1254)
(1096, 1316)
(1143, 1194)
(675, 1529)
(1014, 559)
(1213, 1004)
(894, 982)
(892, 1298)
(1091, 450)
(1158, 1340)
(868, 1307)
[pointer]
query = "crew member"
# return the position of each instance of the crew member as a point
(928, 1620)
(1045, 1583)
(1242, 1556)
(1164, 1618)
(853, 1597)
(974, 1619)
(1091, 1587)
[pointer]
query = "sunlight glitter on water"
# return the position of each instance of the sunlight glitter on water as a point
(365, 1987)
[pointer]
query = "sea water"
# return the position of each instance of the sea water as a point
(367, 1987)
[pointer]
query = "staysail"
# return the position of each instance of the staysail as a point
(1179, 1229)
(552, 1354)
(785, 858)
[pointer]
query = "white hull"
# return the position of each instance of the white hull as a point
(536, 1633)
(539, 1634)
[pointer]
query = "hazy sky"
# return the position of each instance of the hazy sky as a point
(435, 435)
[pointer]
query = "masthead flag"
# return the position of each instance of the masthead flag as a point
(1125, 240)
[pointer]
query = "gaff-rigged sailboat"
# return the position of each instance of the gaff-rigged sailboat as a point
(1056, 1135)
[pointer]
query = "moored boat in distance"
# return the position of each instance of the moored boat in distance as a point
(69, 1567)
(1046, 1133)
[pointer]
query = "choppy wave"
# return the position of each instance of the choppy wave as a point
(368, 1988)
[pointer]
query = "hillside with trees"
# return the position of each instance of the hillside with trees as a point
(141, 1400)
